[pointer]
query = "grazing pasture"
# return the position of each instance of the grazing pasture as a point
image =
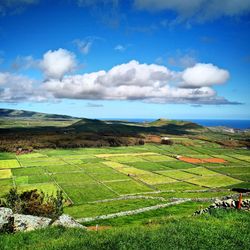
(98, 181)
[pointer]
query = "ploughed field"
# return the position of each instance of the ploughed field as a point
(99, 181)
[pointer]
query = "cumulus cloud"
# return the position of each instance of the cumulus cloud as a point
(55, 64)
(145, 82)
(14, 6)
(204, 75)
(199, 10)
(18, 88)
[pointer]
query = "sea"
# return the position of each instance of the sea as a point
(236, 124)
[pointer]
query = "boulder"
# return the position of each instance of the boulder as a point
(6, 220)
(29, 222)
(67, 221)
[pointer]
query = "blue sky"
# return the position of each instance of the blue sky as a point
(138, 59)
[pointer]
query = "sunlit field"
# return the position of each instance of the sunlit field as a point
(100, 181)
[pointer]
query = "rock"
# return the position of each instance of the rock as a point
(67, 221)
(6, 220)
(218, 202)
(29, 222)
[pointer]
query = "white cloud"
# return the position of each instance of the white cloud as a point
(145, 82)
(18, 88)
(55, 64)
(128, 81)
(204, 75)
(199, 10)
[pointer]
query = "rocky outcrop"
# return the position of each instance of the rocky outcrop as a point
(6, 220)
(10, 222)
(229, 203)
(67, 221)
(29, 222)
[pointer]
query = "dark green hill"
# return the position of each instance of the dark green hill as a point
(23, 114)
(29, 129)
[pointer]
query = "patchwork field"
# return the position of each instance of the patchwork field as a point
(98, 181)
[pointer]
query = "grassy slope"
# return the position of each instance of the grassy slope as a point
(220, 230)
(13, 113)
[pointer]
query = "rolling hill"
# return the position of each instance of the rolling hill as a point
(23, 114)
(28, 129)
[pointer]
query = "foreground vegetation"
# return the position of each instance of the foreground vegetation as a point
(223, 229)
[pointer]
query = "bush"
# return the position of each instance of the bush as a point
(35, 203)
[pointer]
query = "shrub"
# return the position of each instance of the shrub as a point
(35, 203)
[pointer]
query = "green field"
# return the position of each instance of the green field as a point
(98, 181)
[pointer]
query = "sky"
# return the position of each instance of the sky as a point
(126, 59)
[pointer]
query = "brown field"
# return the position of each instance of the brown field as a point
(197, 161)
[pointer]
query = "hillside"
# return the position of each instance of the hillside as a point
(29, 129)
(23, 114)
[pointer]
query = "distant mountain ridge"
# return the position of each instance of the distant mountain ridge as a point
(24, 114)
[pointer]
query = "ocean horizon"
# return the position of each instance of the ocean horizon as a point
(236, 124)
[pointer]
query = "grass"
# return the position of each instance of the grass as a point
(50, 162)
(157, 158)
(47, 188)
(74, 178)
(153, 179)
(62, 168)
(177, 174)
(87, 192)
(109, 175)
(91, 174)
(244, 177)
(133, 171)
(233, 170)
(177, 165)
(242, 157)
(5, 173)
(7, 156)
(201, 171)
(39, 179)
(9, 164)
(126, 159)
(204, 232)
(115, 165)
(31, 156)
(214, 181)
(128, 187)
(28, 171)
(148, 166)
(5, 186)
(178, 186)
(195, 195)
(97, 209)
